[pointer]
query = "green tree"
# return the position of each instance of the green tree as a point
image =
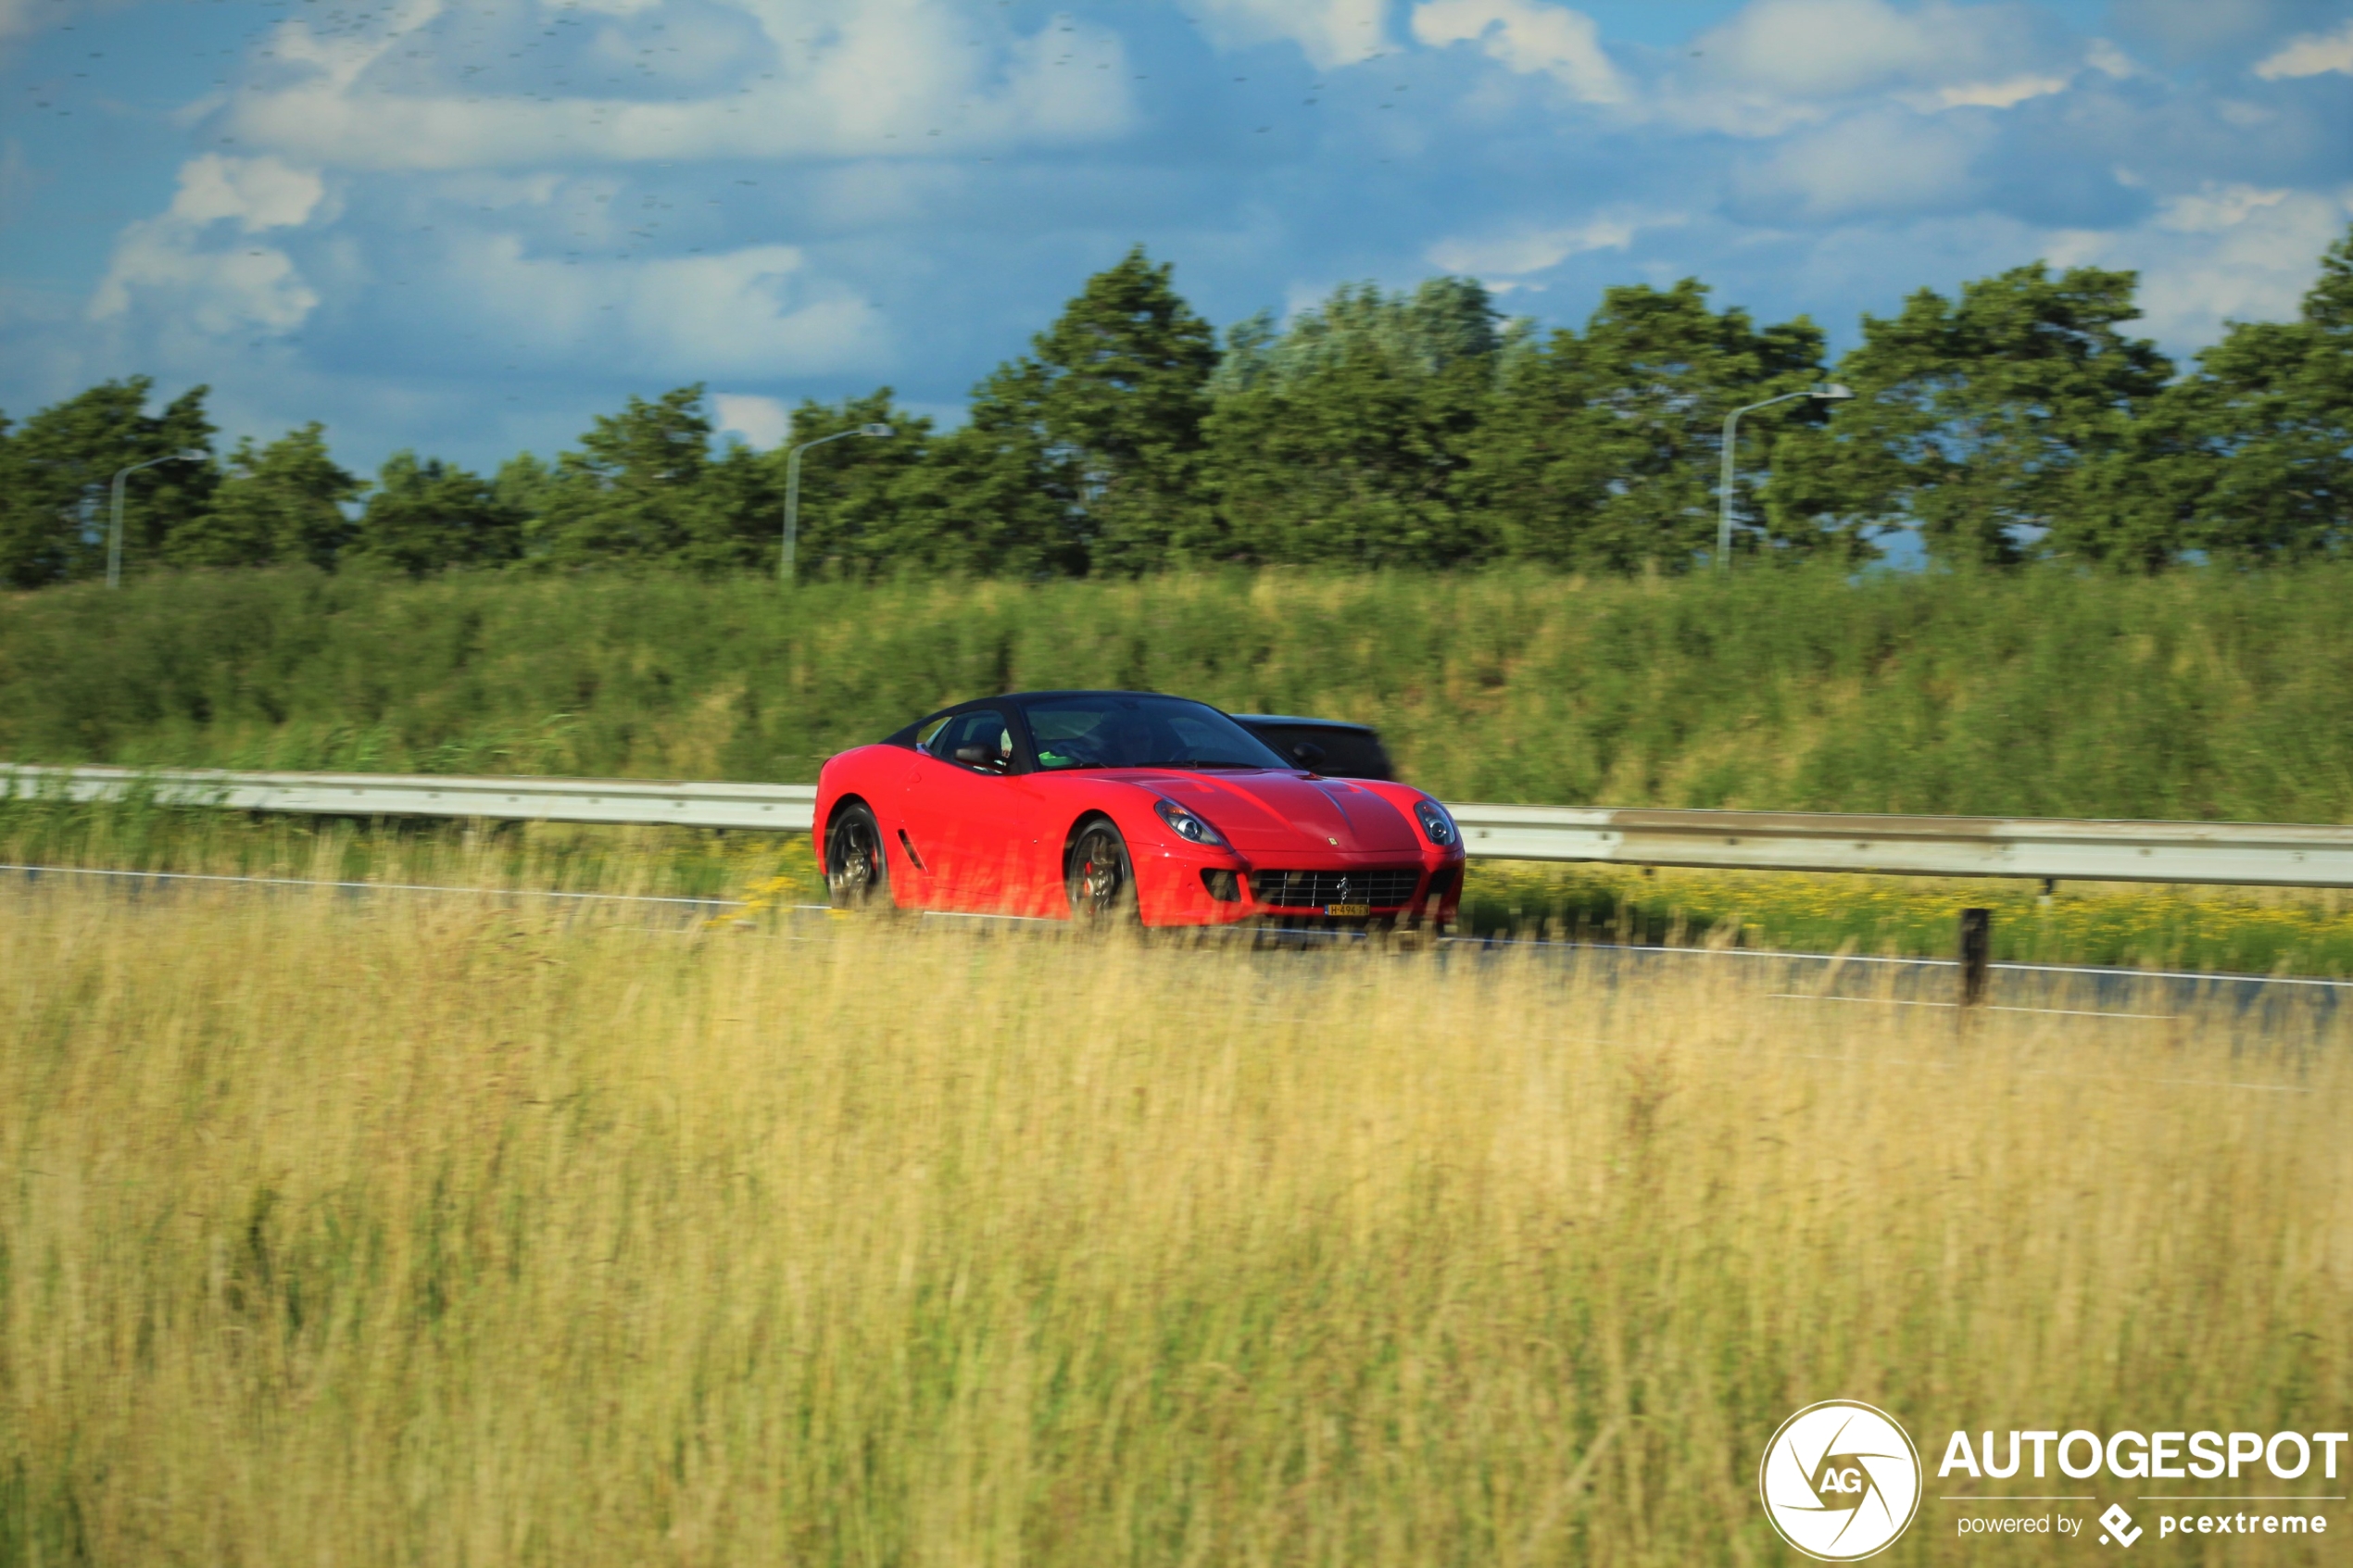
(868, 506)
(641, 489)
(1603, 449)
(281, 503)
(1008, 503)
(521, 485)
(1090, 447)
(1980, 419)
(57, 468)
(2250, 458)
(1343, 439)
(425, 515)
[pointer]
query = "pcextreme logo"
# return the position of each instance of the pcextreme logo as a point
(1840, 1480)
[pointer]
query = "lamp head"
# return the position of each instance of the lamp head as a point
(1832, 392)
(191, 455)
(877, 430)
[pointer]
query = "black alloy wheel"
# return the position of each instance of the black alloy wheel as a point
(857, 874)
(1100, 877)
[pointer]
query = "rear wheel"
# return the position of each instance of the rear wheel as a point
(1100, 877)
(857, 873)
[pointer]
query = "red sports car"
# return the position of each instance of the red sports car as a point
(1124, 806)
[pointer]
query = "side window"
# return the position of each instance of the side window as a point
(980, 740)
(930, 732)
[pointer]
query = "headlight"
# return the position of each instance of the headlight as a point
(1185, 825)
(1436, 824)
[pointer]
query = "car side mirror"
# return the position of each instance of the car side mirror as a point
(1308, 753)
(978, 756)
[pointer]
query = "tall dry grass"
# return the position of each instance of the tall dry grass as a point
(411, 1231)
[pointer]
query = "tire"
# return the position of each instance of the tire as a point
(856, 871)
(1100, 878)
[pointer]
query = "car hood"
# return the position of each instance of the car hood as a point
(1263, 812)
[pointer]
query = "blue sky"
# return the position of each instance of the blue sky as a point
(467, 226)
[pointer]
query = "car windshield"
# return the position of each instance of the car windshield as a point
(1117, 731)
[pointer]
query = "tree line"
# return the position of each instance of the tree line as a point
(2018, 418)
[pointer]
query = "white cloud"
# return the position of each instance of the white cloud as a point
(260, 193)
(1833, 48)
(213, 291)
(2233, 255)
(1513, 254)
(1876, 163)
(2226, 252)
(215, 285)
(760, 311)
(2104, 56)
(1526, 36)
(2311, 55)
(1331, 33)
(1782, 65)
(763, 422)
(880, 77)
(2218, 207)
(2002, 95)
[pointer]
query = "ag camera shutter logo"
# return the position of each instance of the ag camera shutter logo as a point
(1839, 1481)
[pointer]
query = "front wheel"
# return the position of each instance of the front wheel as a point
(1100, 877)
(857, 873)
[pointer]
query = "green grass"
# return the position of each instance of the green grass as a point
(2203, 693)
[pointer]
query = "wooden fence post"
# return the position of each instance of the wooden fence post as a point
(1977, 952)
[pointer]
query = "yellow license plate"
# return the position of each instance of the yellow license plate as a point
(1348, 908)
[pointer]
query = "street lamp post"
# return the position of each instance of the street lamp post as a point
(1831, 393)
(114, 529)
(792, 493)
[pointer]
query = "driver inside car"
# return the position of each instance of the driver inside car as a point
(996, 756)
(976, 740)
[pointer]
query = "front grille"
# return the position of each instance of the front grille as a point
(1383, 888)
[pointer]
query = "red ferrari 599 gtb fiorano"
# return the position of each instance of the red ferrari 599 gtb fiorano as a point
(1124, 806)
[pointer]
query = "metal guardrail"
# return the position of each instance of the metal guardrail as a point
(2240, 854)
(2243, 854)
(628, 802)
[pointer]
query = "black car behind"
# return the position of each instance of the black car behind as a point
(1332, 747)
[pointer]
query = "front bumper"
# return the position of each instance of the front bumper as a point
(1181, 884)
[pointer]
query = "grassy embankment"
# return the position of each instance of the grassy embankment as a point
(2201, 695)
(413, 1232)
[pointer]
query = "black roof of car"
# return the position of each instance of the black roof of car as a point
(906, 737)
(1295, 719)
(1080, 691)
(1119, 691)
